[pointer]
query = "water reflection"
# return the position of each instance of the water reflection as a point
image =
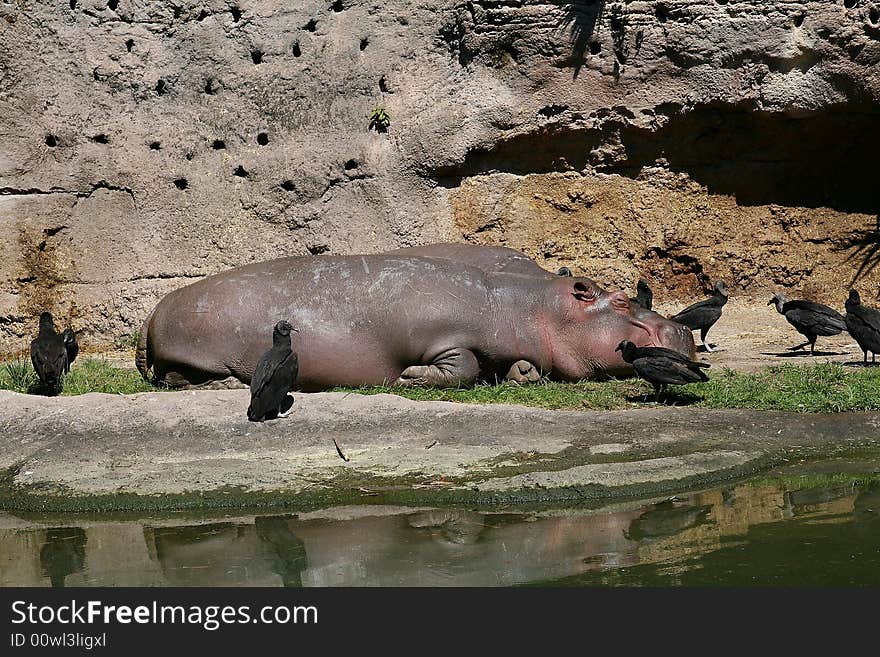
(63, 553)
(739, 535)
(666, 519)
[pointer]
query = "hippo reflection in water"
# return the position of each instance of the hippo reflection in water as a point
(439, 547)
(397, 319)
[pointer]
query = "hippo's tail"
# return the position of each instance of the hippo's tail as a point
(143, 359)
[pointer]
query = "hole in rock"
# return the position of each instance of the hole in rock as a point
(218, 145)
(351, 164)
(383, 85)
(51, 141)
(311, 26)
(112, 4)
(849, 4)
(161, 87)
(874, 15)
(262, 139)
(288, 186)
(202, 15)
(155, 145)
(316, 249)
(73, 4)
(364, 43)
(101, 138)
(241, 172)
(552, 110)
(595, 47)
(257, 56)
(236, 14)
(129, 44)
(181, 183)
(661, 12)
(799, 19)
(295, 49)
(337, 6)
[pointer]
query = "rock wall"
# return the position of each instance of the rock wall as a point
(148, 143)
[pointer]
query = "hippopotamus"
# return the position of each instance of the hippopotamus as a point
(392, 319)
(487, 258)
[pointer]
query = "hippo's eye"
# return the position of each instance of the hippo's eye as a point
(584, 292)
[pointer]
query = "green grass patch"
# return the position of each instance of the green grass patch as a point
(86, 375)
(594, 395)
(824, 388)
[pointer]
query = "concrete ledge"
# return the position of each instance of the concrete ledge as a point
(55, 450)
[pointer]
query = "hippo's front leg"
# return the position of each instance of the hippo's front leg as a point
(451, 369)
(522, 371)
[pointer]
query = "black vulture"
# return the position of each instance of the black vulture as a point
(644, 295)
(563, 271)
(71, 346)
(810, 319)
(273, 377)
(703, 314)
(863, 324)
(49, 354)
(661, 367)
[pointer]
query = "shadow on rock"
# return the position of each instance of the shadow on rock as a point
(802, 354)
(865, 247)
(580, 18)
(667, 399)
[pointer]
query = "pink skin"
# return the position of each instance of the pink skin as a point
(369, 320)
(592, 322)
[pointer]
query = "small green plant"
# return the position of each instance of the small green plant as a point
(18, 375)
(379, 120)
(128, 341)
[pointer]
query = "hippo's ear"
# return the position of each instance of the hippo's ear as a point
(584, 292)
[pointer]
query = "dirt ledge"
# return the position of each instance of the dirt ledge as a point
(197, 449)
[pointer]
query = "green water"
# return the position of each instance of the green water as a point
(793, 531)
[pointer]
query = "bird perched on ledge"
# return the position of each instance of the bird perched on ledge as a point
(863, 324)
(71, 346)
(273, 377)
(662, 367)
(810, 319)
(49, 354)
(703, 314)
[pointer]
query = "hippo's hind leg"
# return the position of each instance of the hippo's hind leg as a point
(188, 378)
(522, 371)
(451, 369)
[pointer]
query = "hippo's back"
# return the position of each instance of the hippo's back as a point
(498, 259)
(359, 318)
